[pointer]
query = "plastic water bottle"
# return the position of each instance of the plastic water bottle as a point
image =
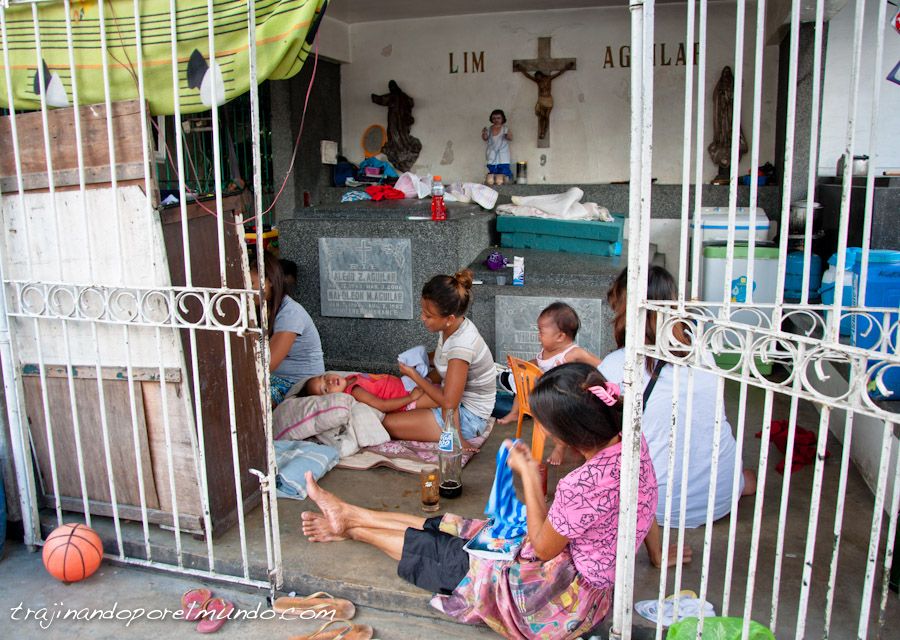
(438, 208)
(450, 455)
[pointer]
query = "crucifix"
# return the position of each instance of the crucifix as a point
(542, 71)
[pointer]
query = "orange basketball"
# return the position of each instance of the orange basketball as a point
(72, 552)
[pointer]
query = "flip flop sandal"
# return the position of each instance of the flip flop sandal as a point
(192, 602)
(344, 631)
(215, 614)
(315, 602)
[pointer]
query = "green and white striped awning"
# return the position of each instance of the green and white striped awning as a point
(285, 31)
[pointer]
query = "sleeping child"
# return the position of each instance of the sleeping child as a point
(381, 391)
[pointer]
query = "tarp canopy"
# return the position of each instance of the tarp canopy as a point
(285, 30)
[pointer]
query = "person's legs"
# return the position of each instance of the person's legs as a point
(418, 424)
(390, 542)
(513, 414)
(340, 516)
(425, 403)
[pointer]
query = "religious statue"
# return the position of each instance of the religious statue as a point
(723, 110)
(402, 149)
(542, 71)
(497, 137)
(544, 103)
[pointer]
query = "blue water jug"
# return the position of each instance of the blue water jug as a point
(793, 279)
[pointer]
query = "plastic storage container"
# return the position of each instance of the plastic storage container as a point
(714, 225)
(882, 290)
(828, 285)
(765, 277)
(793, 280)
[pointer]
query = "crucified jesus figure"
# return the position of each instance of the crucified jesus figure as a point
(544, 104)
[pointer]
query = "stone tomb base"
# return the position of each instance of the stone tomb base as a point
(465, 239)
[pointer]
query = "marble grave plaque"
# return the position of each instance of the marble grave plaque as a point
(516, 324)
(366, 277)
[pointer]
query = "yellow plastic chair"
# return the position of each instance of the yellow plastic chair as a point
(526, 375)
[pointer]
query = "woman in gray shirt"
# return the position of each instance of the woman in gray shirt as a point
(295, 350)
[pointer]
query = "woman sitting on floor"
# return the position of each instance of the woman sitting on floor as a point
(463, 364)
(657, 422)
(295, 350)
(560, 585)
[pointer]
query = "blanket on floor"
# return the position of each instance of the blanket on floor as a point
(409, 456)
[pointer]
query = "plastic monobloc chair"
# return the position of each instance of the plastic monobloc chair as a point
(526, 375)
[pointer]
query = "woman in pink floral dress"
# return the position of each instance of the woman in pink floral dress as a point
(561, 583)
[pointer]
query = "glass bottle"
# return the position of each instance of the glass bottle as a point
(450, 455)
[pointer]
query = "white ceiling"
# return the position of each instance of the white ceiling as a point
(352, 11)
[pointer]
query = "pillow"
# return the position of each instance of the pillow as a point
(294, 459)
(299, 418)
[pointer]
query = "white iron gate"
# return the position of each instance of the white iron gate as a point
(135, 373)
(821, 375)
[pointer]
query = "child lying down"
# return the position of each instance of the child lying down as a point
(381, 391)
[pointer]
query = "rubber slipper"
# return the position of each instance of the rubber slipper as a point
(342, 631)
(192, 602)
(315, 602)
(215, 614)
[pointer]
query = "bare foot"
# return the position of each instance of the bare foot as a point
(656, 556)
(316, 528)
(509, 418)
(556, 458)
(334, 510)
(749, 483)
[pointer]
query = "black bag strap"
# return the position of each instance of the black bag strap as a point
(653, 378)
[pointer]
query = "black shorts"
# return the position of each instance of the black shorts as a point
(433, 560)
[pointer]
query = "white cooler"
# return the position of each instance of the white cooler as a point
(714, 225)
(765, 277)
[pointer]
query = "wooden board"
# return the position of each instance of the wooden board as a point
(121, 440)
(184, 467)
(138, 374)
(126, 129)
(249, 418)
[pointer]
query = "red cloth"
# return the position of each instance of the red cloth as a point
(805, 442)
(380, 385)
(384, 192)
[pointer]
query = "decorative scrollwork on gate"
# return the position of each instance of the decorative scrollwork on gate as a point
(725, 343)
(174, 307)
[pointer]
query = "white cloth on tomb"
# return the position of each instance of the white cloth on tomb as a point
(563, 206)
(466, 192)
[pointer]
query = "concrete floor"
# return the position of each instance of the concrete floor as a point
(369, 578)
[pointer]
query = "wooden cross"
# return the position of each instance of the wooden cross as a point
(543, 70)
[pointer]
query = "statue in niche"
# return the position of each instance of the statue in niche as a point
(402, 149)
(723, 110)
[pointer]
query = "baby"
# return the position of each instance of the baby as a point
(381, 391)
(557, 325)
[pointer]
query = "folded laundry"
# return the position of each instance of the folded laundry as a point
(355, 196)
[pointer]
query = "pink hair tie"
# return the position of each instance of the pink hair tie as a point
(609, 393)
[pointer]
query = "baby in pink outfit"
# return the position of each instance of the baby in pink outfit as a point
(557, 325)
